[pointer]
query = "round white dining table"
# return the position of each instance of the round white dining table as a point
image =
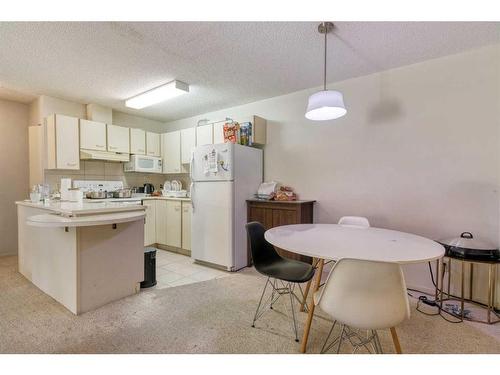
(335, 241)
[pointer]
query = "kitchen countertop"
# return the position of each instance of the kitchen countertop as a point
(71, 209)
(169, 198)
(51, 220)
(137, 199)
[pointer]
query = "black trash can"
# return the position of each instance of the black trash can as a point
(149, 268)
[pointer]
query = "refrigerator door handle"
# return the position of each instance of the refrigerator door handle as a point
(191, 162)
(191, 189)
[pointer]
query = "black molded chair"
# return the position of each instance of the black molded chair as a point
(269, 263)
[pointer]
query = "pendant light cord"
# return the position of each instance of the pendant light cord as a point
(324, 75)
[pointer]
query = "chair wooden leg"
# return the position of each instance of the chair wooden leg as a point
(395, 340)
(308, 286)
(310, 315)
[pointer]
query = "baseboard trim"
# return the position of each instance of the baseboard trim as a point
(173, 249)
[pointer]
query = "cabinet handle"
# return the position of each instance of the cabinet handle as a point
(177, 208)
(100, 146)
(71, 164)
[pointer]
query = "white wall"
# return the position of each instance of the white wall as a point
(14, 169)
(131, 121)
(45, 106)
(418, 150)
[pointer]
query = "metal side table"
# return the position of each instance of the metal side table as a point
(492, 278)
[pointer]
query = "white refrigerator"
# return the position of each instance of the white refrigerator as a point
(223, 176)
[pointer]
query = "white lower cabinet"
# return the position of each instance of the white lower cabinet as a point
(174, 227)
(186, 225)
(168, 223)
(150, 222)
(161, 221)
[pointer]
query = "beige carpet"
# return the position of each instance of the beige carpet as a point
(207, 317)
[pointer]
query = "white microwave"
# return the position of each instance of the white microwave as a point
(143, 163)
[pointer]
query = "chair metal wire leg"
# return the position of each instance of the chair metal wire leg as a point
(260, 301)
(290, 288)
(324, 349)
(272, 295)
(376, 340)
(341, 338)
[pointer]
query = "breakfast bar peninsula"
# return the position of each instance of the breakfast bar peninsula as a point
(84, 255)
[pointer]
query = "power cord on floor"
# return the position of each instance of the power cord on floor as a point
(433, 303)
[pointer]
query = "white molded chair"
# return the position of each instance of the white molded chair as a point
(355, 221)
(364, 295)
(351, 221)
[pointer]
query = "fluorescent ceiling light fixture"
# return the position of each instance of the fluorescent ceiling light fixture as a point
(158, 94)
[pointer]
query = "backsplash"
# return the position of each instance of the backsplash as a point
(101, 170)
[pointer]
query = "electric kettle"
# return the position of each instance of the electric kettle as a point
(149, 188)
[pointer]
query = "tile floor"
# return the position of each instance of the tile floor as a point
(175, 269)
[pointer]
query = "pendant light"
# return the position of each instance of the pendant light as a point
(326, 104)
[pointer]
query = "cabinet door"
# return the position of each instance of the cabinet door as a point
(174, 227)
(171, 154)
(92, 135)
(118, 139)
(137, 141)
(188, 141)
(67, 142)
(186, 225)
(204, 135)
(150, 223)
(161, 222)
(218, 133)
(62, 142)
(153, 144)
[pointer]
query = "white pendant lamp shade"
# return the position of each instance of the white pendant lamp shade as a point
(325, 105)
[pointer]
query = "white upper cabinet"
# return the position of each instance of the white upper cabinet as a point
(153, 144)
(118, 139)
(218, 133)
(204, 135)
(63, 147)
(137, 141)
(92, 135)
(171, 152)
(188, 142)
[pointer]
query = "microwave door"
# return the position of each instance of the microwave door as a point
(145, 164)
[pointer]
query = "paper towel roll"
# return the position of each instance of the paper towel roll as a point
(65, 186)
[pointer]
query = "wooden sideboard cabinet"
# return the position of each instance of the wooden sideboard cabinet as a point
(276, 213)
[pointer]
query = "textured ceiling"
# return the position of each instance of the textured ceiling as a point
(225, 63)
